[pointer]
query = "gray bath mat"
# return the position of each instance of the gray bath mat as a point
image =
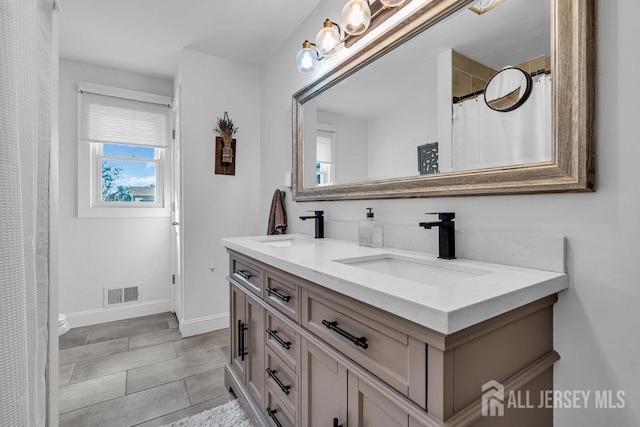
(230, 414)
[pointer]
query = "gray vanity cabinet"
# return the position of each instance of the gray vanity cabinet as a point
(305, 356)
(282, 294)
(255, 348)
(324, 388)
(248, 273)
(238, 322)
(368, 407)
(283, 340)
(275, 411)
(385, 349)
(332, 395)
(247, 352)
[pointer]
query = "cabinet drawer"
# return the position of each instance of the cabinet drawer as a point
(281, 293)
(248, 274)
(383, 350)
(276, 413)
(282, 381)
(283, 340)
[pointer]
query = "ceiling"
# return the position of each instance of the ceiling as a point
(148, 35)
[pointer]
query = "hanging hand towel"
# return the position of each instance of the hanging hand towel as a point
(277, 215)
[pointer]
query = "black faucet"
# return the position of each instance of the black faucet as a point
(446, 234)
(319, 217)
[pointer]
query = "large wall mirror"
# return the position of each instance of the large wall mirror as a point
(453, 102)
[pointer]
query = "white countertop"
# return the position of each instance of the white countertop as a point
(446, 308)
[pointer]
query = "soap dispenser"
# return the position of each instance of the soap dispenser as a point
(370, 231)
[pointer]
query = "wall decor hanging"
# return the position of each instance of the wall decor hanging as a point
(428, 159)
(225, 146)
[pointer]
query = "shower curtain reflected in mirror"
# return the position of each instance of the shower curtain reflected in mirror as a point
(484, 138)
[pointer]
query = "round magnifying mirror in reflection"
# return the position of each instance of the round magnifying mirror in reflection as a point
(508, 89)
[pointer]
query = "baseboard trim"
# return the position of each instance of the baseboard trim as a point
(102, 315)
(201, 325)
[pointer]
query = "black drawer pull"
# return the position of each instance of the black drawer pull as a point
(241, 328)
(272, 414)
(277, 294)
(336, 423)
(360, 342)
(274, 335)
(244, 274)
(284, 388)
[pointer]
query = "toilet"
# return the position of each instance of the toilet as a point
(63, 325)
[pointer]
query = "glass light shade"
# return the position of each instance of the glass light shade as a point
(356, 17)
(307, 60)
(328, 41)
(392, 3)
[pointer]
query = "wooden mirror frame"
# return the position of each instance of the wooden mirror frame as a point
(573, 32)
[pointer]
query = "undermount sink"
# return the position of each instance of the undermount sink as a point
(282, 243)
(414, 269)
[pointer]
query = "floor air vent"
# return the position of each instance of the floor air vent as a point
(121, 295)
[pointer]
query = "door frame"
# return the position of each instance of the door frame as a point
(177, 237)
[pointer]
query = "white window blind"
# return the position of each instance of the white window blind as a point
(122, 139)
(107, 119)
(324, 147)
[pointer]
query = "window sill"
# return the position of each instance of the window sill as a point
(101, 211)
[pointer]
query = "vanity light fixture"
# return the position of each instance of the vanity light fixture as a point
(329, 39)
(328, 43)
(357, 17)
(307, 58)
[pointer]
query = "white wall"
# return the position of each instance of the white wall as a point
(216, 206)
(310, 128)
(100, 252)
(350, 146)
(597, 320)
(394, 138)
(445, 93)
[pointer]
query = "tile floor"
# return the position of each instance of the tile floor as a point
(139, 372)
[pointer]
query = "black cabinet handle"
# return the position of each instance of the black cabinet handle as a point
(360, 342)
(272, 414)
(244, 274)
(241, 328)
(277, 294)
(284, 388)
(274, 335)
(336, 423)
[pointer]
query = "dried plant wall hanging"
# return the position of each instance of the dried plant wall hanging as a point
(225, 163)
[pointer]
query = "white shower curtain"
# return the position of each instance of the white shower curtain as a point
(25, 133)
(484, 138)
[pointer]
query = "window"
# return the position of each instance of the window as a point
(127, 173)
(325, 165)
(123, 136)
